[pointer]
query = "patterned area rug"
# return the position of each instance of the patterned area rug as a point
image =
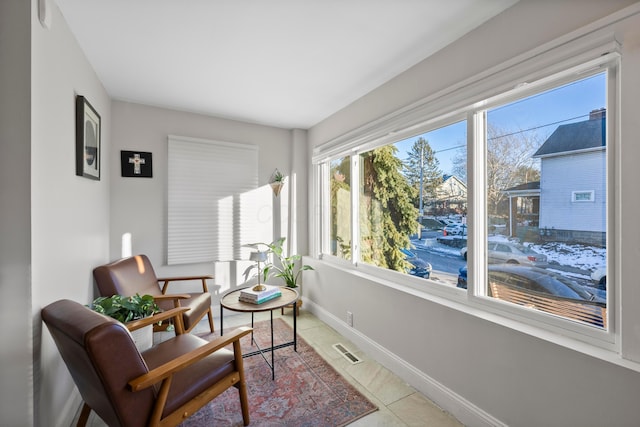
(307, 391)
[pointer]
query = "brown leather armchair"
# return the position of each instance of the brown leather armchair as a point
(161, 386)
(135, 275)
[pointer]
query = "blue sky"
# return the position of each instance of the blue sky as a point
(542, 113)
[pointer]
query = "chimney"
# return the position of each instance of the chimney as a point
(600, 113)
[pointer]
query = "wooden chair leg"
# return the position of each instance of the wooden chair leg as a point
(84, 416)
(210, 315)
(241, 385)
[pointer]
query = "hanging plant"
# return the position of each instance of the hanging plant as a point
(277, 182)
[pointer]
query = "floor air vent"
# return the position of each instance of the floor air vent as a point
(348, 354)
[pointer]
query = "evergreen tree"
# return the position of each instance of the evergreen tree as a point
(341, 182)
(422, 157)
(387, 214)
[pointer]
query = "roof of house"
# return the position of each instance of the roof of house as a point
(574, 137)
(447, 177)
(534, 185)
(528, 189)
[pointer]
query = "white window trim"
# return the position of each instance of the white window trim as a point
(574, 56)
(577, 54)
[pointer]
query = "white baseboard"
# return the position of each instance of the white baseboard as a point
(463, 410)
(71, 410)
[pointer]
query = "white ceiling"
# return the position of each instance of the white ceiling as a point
(285, 63)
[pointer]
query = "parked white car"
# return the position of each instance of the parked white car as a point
(511, 253)
(599, 275)
(455, 230)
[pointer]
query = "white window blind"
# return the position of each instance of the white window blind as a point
(210, 203)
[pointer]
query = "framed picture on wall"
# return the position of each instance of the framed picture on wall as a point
(88, 139)
(136, 164)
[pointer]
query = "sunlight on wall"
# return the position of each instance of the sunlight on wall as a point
(126, 245)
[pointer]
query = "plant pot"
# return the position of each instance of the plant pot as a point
(143, 337)
(298, 305)
(276, 187)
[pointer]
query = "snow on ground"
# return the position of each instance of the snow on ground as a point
(580, 257)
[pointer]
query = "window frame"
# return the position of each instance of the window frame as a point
(540, 70)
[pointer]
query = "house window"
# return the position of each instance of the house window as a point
(582, 196)
(340, 200)
(411, 205)
(549, 140)
(515, 244)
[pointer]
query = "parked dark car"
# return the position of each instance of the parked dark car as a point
(538, 280)
(419, 267)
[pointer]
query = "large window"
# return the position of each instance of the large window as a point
(540, 149)
(411, 205)
(340, 218)
(502, 202)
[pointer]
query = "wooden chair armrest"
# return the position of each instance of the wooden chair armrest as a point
(166, 370)
(182, 278)
(158, 317)
(171, 297)
(167, 280)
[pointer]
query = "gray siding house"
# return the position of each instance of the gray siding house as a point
(573, 181)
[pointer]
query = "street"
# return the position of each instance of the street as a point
(445, 260)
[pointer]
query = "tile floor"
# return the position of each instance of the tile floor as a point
(398, 403)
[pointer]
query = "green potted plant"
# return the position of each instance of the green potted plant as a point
(128, 309)
(287, 267)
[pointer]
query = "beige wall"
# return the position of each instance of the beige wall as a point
(474, 365)
(139, 205)
(69, 214)
(56, 227)
(16, 390)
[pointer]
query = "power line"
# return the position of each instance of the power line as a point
(518, 132)
(450, 148)
(538, 127)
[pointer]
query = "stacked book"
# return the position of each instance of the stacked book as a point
(258, 297)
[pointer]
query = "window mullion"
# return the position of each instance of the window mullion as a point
(355, 208)
(325, 217)
(477, 232)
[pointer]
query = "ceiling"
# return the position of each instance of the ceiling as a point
(284, 63)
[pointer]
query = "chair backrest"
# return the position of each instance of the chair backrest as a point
(127, 276)
(102, 358)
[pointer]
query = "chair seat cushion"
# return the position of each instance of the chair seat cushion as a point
(193, 380)
(199, 303)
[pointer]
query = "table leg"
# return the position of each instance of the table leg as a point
(295, 327)
(221, 327)
(273, 365)
(252, 340)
